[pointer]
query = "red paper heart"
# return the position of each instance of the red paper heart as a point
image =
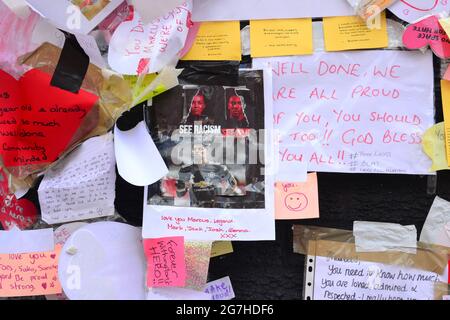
(15, 212)
(37, 121)
(427, 32)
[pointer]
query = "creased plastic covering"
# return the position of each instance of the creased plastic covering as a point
(114, 97)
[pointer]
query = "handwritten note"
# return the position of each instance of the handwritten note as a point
(137, 47)
(15, 212)
(166, 266)
(37, 121)
(434, 146)
(270, 38)
(428, 32)
(29, 274)
(445, 91)
(298, 200)
(220, 248)
(336, 279)
(412, 10)
(355, 111)
(220, 289)
(351, 32)
(216, 41)
(82, 186)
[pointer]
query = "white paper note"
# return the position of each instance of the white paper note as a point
(45, 32)
(436, 229)
(16, 241)
(217, 10)
(103, 261)
(354, 112)
(380, 237)
(220, 289)
(138, 160)
(151, 9)
(360, 280)
(173, 293)
(136, 47)
(82, 186)
(412, 10)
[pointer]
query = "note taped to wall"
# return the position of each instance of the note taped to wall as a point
(298, 200)
(341, 279)
(284, 37)
(351, 32)
(82, 186)
(354, 112)
(216, 41)
(29, 274)
(445, 90)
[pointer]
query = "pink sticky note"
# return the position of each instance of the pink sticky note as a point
(425, 32)
(297, 200)
(166, 266)
(447, 74)
(29, 274)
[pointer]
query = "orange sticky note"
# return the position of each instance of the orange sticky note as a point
(299, 200)
(445, 91)
(29, 274)
(219, 40)
(282, 37)
(352, 33)
(166, 265)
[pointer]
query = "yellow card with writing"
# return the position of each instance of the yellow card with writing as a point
(445, 90)
(217, 41)
(283, 37)
(433, 143)
(351, 33)
(445, 24)
(219, 248)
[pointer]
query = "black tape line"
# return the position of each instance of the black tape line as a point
(210, 72)
(72, 66)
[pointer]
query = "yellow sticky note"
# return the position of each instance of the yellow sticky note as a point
(29, 274)
(284, 37)
(297, 200)
(220, 248)
(217, 41)
(445, 90)
(351, 33)
(445, 23)
(433, 143)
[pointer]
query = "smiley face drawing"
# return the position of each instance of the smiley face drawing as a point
(296, 201)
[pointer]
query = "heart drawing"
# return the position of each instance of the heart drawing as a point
(14, 212)
(37, 120)
(428, 32)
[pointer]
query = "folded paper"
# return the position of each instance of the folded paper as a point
(135, 150)
(136, 47)
(82, 185)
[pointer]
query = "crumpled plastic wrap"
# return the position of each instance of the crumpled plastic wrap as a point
(114, 98)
